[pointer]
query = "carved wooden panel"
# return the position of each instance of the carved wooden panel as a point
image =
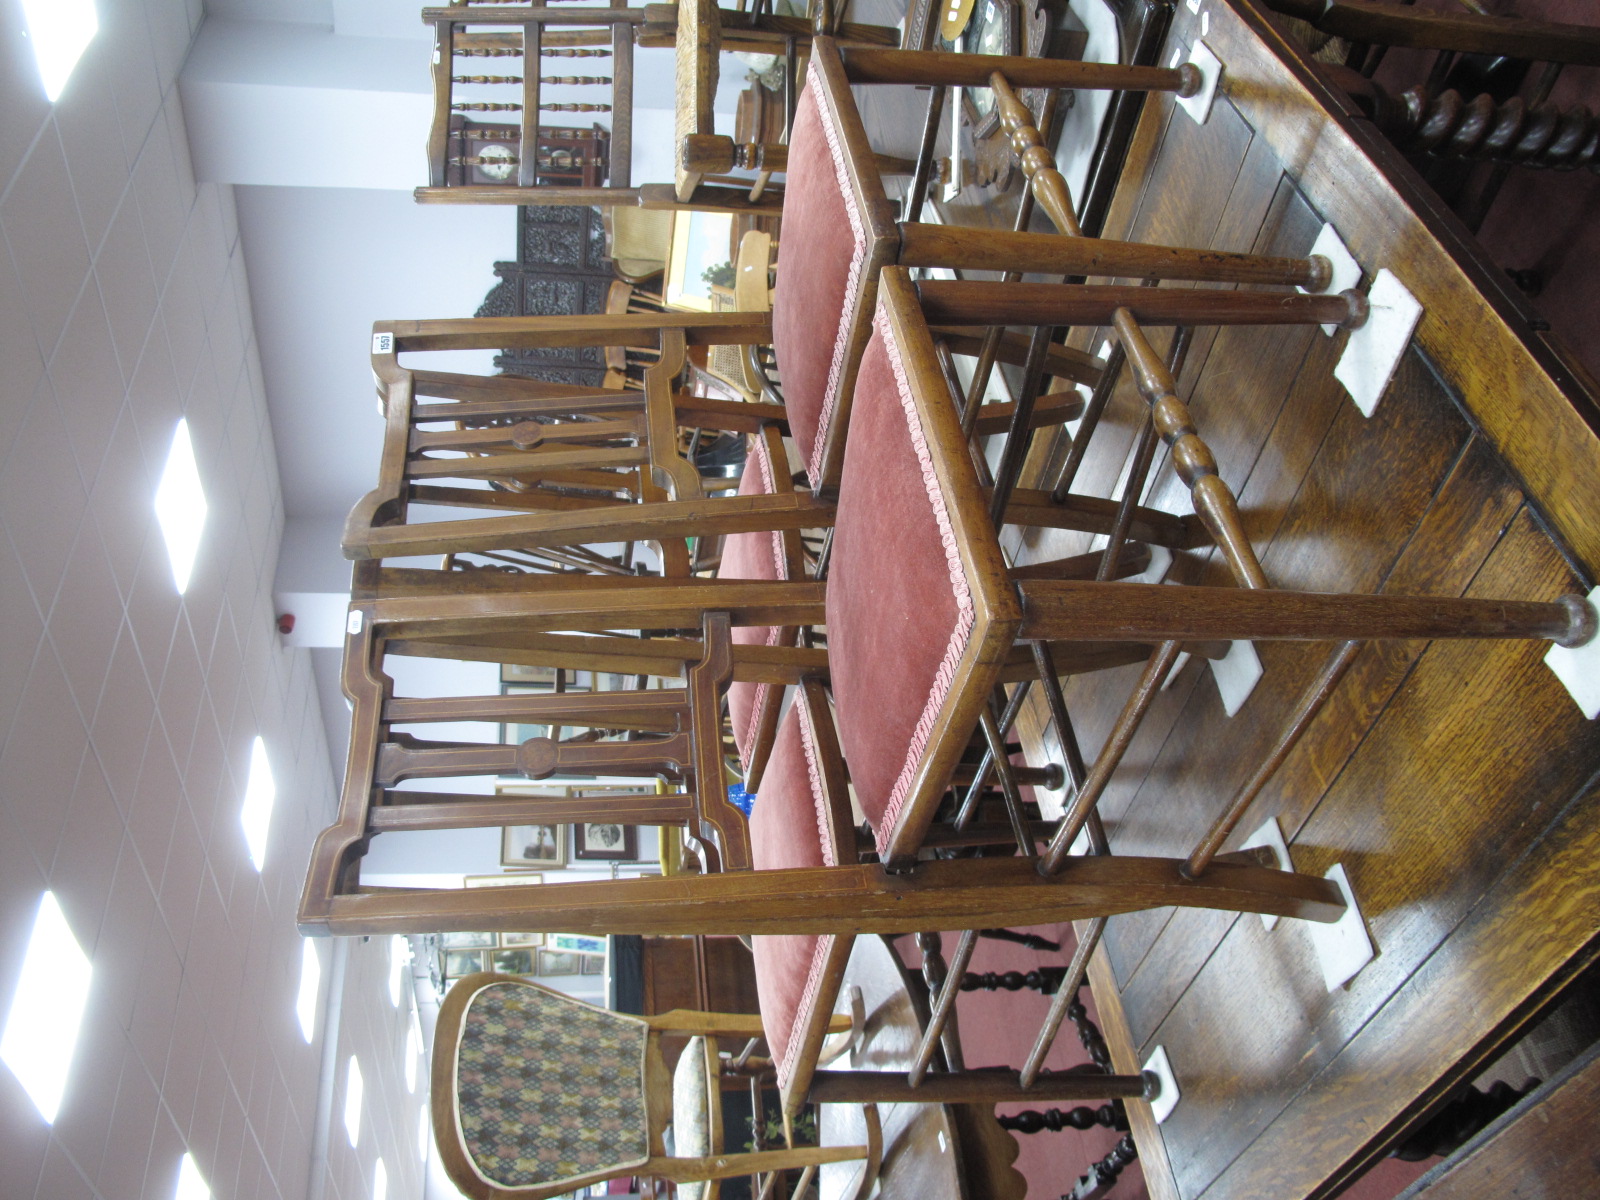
(561, 269)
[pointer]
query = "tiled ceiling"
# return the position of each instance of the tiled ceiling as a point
(127, 712)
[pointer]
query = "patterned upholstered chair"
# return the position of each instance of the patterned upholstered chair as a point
(536, 1094)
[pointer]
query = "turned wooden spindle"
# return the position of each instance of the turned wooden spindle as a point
(716, 154)
(1191, 457)
(1048, 184)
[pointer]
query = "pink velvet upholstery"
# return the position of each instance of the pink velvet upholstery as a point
(899, 607)
(752, 556)
(787, 830)
(820, 258)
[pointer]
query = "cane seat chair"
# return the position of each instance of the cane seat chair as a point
(536, 1094)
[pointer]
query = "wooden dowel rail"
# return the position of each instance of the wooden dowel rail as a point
(649, 711)
(944, 1004)
(1311, 702)
(1077, 970)
(871, 65)
(923, 245)
(469, 811)
(1056, 609)
(976, 302)
(941, 894)
(589, 329)
(974, 1085)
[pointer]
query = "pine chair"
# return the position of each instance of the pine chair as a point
(536, 1094)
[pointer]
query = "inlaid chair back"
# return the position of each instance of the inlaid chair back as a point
(573, 466)
(672, 733)
(536, 1094)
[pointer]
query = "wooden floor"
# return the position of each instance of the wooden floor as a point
(1456, 783)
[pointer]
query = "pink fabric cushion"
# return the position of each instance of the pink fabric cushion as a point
(786, 831)
(820, 259)
(752, 556)
(899, 607)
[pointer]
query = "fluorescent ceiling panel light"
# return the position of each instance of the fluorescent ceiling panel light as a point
(352, 1101)
(413, 1052)
(59, 31)
(181, 506)
(380, 1181)
(47, 1009)
(399, 958)
(191, 1186)
(305, 1004)
(259, 794)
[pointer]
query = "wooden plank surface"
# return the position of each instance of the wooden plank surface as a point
(1452, 781)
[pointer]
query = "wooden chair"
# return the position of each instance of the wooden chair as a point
(536, 1094)
(840, 231)
(899, 749)
(485, 163)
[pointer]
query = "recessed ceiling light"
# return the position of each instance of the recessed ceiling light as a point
(191, 1186)
(42, 1026)
(259, 794)
(399, 959)
(181, 506)
(380, 1181)
(305, 1004)
(413, 1052)
(60, 31)
(352, 1101)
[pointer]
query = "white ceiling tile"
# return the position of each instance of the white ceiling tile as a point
(42, 497)
(60, 1178)
(46, 237)
(85, 618)
(127, 285)
(127, 1151)
(42, 755)
(93, 143)
(163, 209)
(19, 351)
(88, 382)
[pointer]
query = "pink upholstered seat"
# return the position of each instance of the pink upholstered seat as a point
(899, 607)
(753, 556)
(820, 273)
(786, 831)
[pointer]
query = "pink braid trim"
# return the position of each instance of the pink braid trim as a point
(858, 257)
(808, 1002)
(819, 803)
(961, 632)
(774, 632)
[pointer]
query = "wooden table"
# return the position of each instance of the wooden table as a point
(930, 1151)
(1455, 783)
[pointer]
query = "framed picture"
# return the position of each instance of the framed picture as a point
(533, 846)
(513, 962)
(580, 943)
(592, 964)
(468, 941)
(559, 962)
(463, 962)
(515, 735)
(605, 841)
(699, 259)
(512, 941)
(539, 678)
(509, 879)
